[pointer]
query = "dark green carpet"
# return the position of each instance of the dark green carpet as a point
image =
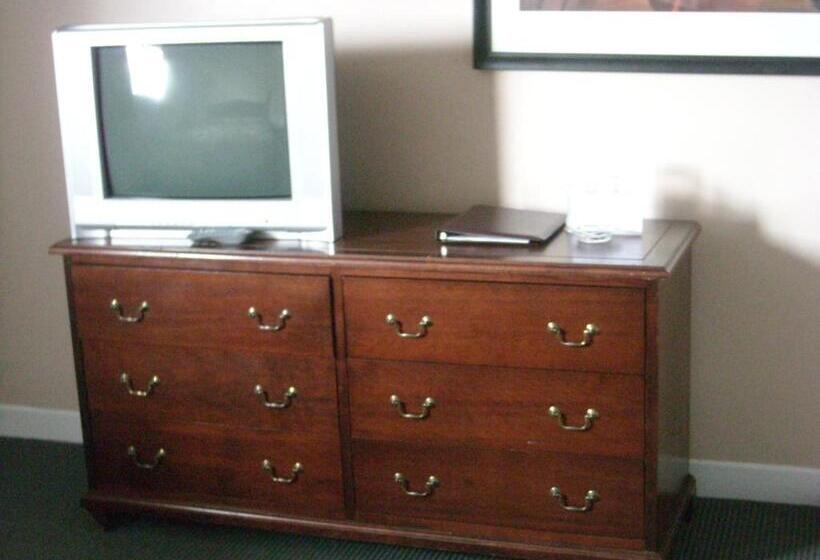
(41, 484)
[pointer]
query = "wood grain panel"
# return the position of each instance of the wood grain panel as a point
(495, 324)
(672, 301)
(509, 488)
(195, 308)
(214, 386)
(204, 460)
(498, 407)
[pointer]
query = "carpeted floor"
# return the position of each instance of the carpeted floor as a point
(41, 484)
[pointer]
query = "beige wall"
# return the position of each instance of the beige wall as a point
(421, 130)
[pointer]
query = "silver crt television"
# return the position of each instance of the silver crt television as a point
(169, 129)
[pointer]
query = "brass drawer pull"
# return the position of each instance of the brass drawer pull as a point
(431, 483)
(589, 418)
(117, 308)
(297, 468)
(290, 394)
(125, 380)
(158, 457)
(591, 497)
(284, 315)
(589, 333)
(423, 325)
(428, 403)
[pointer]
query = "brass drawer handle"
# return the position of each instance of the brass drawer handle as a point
(158, 457)
(284, 315)
(423, 325)
(125, 380)
(589, 333)
(290, 394)
(117, 308)
(431, 483)
(589, 418)
(428, 403)
(297, 468)
(591, 497)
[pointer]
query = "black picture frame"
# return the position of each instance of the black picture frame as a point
(486, 59)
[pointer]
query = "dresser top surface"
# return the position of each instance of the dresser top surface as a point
(399, 236)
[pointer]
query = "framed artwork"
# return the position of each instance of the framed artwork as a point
(709, 36)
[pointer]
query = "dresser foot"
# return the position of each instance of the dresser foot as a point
(107, 519)
(690, 489)
(688, 512)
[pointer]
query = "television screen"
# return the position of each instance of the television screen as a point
(197, 121)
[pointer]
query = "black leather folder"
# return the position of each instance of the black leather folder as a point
(491, 224)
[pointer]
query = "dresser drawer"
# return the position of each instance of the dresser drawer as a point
(501, 488)
(209, 463)
(156, 382)
(204, 308)
(496, 324)
(498, 407)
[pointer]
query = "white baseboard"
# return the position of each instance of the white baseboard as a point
(715, 479)
(40, 423)
(756, 482)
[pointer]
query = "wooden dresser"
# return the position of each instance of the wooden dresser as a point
(523, 402)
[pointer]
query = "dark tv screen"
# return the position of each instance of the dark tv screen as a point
(197, 121)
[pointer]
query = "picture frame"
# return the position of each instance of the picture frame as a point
(509, 38)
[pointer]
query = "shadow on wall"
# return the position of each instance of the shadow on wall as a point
(755, 332)
(417, 129)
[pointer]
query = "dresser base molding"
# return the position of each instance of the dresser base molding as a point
(109, 510)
